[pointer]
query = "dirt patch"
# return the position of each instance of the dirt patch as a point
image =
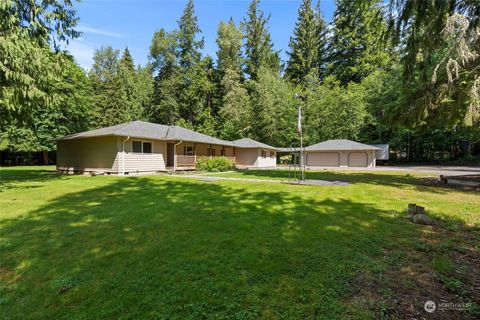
(442, 267)
(432, 181)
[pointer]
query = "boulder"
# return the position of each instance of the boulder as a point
(412, 209)
(422, 219)
(420, 210)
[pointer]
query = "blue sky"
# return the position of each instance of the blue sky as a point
(132, 23)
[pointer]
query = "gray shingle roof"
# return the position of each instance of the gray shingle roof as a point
(338, 145)
(291, 149)
(148, 130)
(250, 143)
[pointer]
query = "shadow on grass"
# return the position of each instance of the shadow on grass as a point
(158, 248)
(396, 180)
(25, 178)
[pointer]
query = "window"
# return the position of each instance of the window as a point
(137, 146)
(147, 147)
(272, 154)
(222, 152)
(211, 152)
(264, 154)
(188, 150)
(141, 147)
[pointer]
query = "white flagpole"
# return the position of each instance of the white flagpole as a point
(301, 145)
(302, 152)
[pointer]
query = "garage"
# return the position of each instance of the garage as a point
(357, 159)
(323, 159)
(340, 153)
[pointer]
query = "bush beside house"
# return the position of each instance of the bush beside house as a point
(219, 164)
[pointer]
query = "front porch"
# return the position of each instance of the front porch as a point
(182, 156)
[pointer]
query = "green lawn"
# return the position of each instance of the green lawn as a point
(160, 247)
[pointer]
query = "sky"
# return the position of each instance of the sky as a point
(132, 23)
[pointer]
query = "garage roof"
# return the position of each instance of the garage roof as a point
(339, 145)
(148, 130)
(250, 143)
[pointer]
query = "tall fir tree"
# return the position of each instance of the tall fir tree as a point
(195, 84)
(234, 111)
(307, 44)
(131, 88)
(188, 43)
(356, 48)
(322, 38)
(258, 43)
(117, 90)
(164, 52)
(127, 61)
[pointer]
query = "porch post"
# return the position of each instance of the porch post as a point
(175, 155)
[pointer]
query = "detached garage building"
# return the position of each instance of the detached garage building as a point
(340, 153)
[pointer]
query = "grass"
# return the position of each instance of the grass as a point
(161, 247)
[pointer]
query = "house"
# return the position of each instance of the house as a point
(340, 153)
(253, 154)
(142, 147)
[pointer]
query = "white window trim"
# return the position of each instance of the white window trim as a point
(189, 146)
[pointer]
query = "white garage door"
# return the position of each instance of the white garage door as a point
(357, 159)
(323, 159)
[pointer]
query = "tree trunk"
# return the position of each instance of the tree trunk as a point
(45, 157)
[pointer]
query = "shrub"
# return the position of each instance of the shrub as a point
(218, 164)
(286, 159)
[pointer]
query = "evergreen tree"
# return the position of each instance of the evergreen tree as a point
(188, 44)
(440, 46)
(234, 110)
(193, 87)
(116, 88)
(258, 43)
(132, 88)
(69, 115)
(322, 38)
(307, 43)
(30, 58)
(127, 61)
(164, 52)
(356, 47)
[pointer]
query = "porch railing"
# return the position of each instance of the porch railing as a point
(186, 161)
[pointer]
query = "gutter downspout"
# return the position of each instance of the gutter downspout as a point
(123, 155)
(175, 155)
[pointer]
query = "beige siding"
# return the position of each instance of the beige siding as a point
(267, 161)
(252, 157)
(141, 162)
(87, 154)
(105, 154)
(246, 157)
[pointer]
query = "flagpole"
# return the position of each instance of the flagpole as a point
(300, 131)
(302, 151)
